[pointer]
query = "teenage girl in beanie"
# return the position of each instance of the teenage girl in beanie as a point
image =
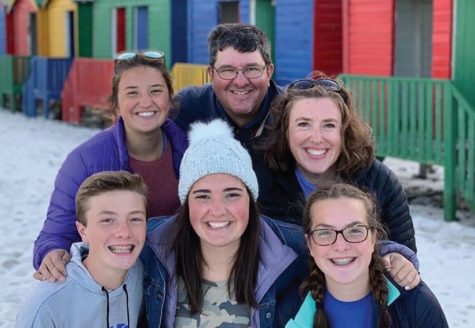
(218, 262)
(347, 286)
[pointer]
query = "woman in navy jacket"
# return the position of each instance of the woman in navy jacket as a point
(316, 137)
(142, 140)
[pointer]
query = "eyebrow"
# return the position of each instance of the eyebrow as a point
(326, 226)
(108, 212)
(225, 190)
(150, 86)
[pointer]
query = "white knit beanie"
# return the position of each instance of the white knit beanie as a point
(212, 149)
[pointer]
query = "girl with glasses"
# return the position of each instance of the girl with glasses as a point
(347, 286)
(142, 140)
(317, 137)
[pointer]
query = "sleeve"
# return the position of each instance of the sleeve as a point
(388, 246)
(34, 314)
(395, 213)
(186, 108)
(59, 228)
(428, 312)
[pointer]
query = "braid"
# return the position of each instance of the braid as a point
(315, 284)
(379, 290)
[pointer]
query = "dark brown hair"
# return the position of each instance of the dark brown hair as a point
(315, 282)
(190, 259)
(357, 149)
(121, 66)
(103, 182)
(242, 37)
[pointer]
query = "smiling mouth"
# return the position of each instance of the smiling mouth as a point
(241, 93)
(121, 249)
(145, 114)
(344, 261)
(218, 224)
(316, 152)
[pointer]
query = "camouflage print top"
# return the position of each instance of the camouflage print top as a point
(219, 308)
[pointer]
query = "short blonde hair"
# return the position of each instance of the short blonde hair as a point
(103, 182)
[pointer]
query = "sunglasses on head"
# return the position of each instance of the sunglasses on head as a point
(328, 84)
(152, 55)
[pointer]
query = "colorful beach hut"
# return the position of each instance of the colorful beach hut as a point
(57, 28)
(21, 28)
(123, 25)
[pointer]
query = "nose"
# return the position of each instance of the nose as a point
(123, 230)
(340, 243)
(240, 79)
(217, 208)
(316, 136)
(145, 101)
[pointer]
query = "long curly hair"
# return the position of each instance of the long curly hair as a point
(315, 283)
(357, 149)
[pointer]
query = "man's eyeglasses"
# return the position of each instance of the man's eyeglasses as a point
(353, 234)
(328, 84)
(230, 73)
(151, 55)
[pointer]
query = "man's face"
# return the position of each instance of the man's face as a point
(241, 97)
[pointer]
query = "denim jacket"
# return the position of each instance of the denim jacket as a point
(282, 267)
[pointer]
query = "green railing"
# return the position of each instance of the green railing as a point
(424, 120)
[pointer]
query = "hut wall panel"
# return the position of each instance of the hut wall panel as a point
(294, 40)
(369, 48)
(327, 53)
(442, 38)
(3, 28)
(464, 43)
(203, 16)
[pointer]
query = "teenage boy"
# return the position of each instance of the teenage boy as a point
(103, 285)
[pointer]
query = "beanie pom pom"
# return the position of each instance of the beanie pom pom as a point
(215, 129)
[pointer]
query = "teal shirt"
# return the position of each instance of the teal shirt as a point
(304, 318)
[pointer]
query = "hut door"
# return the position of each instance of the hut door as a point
(69, 34)
(118, 31)
(141, 28)
(413, 39)
(228, 12)
(32, 35)
(10, 34)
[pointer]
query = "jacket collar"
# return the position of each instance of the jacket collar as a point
(275, 257)
(304, 317)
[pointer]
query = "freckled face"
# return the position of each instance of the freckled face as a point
(143, 99)
(219, 210)
(314, 135)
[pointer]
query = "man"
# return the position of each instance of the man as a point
(103, 286)
(241, 91)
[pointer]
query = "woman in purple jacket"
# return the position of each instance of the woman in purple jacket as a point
(142, 140)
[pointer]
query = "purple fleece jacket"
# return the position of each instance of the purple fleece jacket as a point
(105, 151)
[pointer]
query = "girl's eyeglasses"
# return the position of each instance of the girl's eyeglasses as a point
(152, 55)
(328, 84)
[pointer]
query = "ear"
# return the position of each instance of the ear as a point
(270, 70)
(211, 72)
(308, 241)
(82, 230)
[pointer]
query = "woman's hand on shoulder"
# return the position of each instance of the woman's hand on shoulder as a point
(401, 270)
(53, 266)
